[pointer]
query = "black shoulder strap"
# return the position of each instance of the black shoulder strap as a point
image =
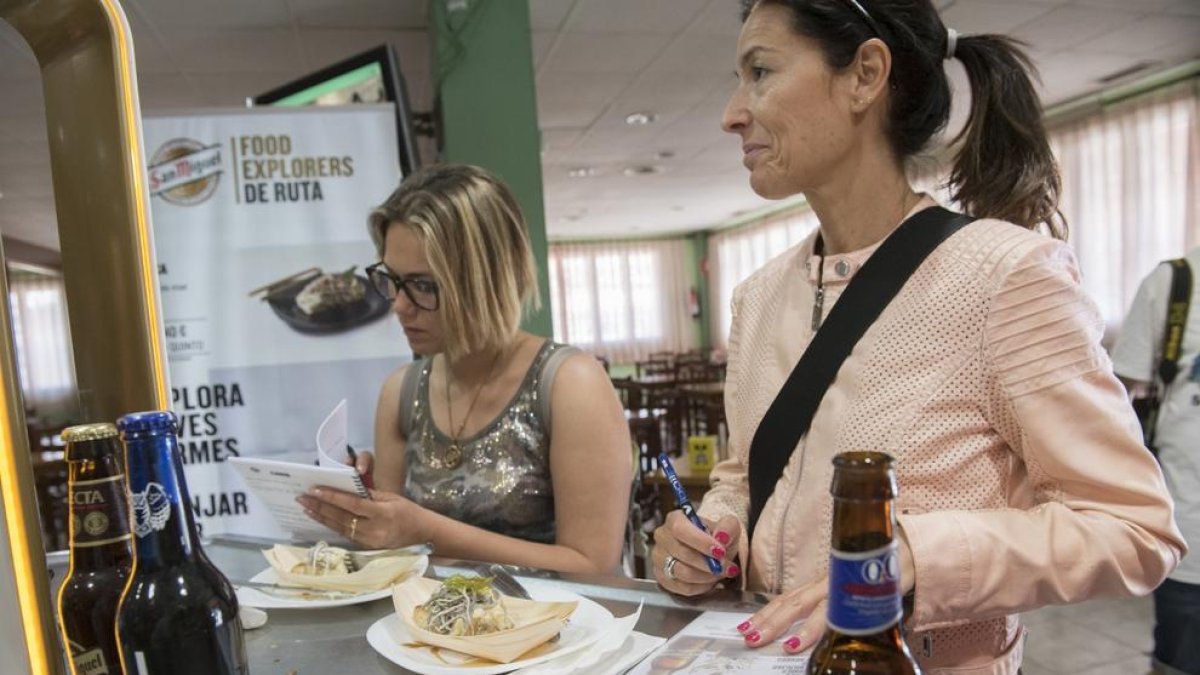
(1177, 312)
(865, 297)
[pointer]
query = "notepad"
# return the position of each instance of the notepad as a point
(277, 483)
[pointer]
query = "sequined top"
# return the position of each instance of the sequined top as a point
(503, 481)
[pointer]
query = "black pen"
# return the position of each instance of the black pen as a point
(685, 505)
(354, 458)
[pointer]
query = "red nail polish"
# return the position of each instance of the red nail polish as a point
(717, 552)
(734, 570)
(743, 627)
(792, 644)
(754, 637)
(722, 537)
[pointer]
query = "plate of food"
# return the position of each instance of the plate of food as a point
(465, 625)
(314, 301)
(327, 576)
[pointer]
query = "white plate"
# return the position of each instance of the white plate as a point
(252, 597)
(588, 623)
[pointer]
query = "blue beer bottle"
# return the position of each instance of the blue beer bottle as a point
(178, 614)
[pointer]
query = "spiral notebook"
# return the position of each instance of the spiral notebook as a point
(277, 483)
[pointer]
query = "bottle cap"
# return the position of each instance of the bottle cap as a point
(89, 432)
(149, 423)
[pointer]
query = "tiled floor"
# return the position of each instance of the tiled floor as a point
(1100, 637)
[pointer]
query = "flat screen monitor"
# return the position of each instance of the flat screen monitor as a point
(370, 77)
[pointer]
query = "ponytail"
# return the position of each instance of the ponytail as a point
(1004, 168)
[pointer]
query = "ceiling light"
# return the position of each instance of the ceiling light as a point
(581, 172)
(640, 118)
(642, 170)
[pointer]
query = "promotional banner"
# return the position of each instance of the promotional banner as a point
(261, 239)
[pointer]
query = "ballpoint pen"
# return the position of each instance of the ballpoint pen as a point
(354, 458)
(685, 505)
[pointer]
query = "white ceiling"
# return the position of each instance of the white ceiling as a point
(596, 61)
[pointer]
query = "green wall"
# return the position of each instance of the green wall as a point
(483, 60)
(697, 264)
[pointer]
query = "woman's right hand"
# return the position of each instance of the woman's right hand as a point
(678, 538)
(364, 462)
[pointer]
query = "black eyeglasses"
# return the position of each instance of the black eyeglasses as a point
(420, 291)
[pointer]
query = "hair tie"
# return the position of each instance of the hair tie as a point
(951, 42)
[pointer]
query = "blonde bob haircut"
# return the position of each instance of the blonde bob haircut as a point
(478, 250)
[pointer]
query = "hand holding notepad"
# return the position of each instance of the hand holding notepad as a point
(279, 483)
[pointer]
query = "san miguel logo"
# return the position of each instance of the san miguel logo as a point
(185, 172)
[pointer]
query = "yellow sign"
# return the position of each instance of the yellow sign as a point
(702, 452)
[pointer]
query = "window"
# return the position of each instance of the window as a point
(738, 252)
(621, 300)
(1130, 190)
(42, 341)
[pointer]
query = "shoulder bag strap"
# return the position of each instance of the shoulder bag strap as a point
(865, 297)
(1177, 312)
(1172, 344)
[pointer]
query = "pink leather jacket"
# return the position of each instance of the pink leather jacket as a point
(1023, 481)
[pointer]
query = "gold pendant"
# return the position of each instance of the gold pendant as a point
(452, 457)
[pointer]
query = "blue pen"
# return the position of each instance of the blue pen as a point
(685, 505)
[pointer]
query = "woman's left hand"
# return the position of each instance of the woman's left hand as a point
(808, 604)
(386, 520)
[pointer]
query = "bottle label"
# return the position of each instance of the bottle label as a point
(98, 511)
(151, 509)
(90, 662)
(864, 590)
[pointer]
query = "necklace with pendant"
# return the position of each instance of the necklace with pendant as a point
(452, 457)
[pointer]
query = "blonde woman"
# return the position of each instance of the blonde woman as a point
(496, 445)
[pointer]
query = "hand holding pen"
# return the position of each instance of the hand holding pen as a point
(689, 512)
(364, 463)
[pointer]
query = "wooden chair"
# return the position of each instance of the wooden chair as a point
(646, 512)
(655, 368)
(50, 479)
(646, 434)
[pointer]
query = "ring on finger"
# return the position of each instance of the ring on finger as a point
(353, 526)
(669, 567)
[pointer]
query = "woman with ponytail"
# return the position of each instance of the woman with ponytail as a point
(1022, 478)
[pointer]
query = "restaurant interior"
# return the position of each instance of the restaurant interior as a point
(639, 209)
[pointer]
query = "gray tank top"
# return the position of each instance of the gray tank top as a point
(503, 481)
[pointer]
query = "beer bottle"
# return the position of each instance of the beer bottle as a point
(101, 549)
(179, 614)
(864, 607)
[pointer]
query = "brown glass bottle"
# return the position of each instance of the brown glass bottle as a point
(864, 610)
(101, 557)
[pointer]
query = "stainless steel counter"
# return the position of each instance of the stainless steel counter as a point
(329, 641)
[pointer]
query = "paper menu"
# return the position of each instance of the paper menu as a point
(277, 484)
(710, 645)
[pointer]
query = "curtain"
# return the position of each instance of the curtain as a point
(42, 342)
(1131, 190)
(736, 253)
(622, 300)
